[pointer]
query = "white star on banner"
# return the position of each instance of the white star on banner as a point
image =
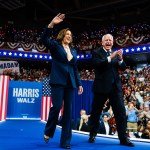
(20, 54)
(15, 54)
(82, 56)
(31, 55)
(132, 49)
(41, 56)
(45, 56)
(10, 54)
(127, 50)
(35, 56)
(144, 48)
(4, 53)
(138, 49)
(26, 55)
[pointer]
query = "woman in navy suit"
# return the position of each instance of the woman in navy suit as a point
(64, 78)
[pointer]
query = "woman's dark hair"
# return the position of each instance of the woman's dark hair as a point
(62, 34)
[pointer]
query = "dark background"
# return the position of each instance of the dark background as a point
(81, 15)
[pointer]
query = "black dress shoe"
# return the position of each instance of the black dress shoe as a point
(92, 139)
(65, 147)
(127, 142)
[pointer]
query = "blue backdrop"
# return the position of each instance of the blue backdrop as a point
(83, 101)
(24, 99)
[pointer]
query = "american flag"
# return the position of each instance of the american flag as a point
(46, 100)
(46, 89)
(4, 83)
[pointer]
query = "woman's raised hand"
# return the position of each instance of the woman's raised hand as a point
(56, 20)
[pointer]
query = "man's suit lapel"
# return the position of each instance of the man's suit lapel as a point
(102, 52)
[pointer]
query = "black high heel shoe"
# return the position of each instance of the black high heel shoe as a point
(46, 139)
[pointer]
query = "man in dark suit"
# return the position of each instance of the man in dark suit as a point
(104, 126)
(107, 85)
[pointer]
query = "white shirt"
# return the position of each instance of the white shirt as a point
(106, 128)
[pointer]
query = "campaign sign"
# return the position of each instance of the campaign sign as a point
(24, 99)
(9, 66)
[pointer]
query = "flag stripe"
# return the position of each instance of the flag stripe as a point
(5, 102)
(42, 109)
(4, 82)
(46, 105)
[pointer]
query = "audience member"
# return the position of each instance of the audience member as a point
(146, 131)
(132, 118)
(104, 126)
(84, 123)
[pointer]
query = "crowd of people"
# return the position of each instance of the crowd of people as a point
(85, 41)
(27, 74)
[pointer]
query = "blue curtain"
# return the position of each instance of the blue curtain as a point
(83, 101)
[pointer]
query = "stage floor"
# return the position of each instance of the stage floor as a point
(28, 135)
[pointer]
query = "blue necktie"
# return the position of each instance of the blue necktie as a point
(108, 53)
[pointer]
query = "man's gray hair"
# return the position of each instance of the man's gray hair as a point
(107, 35)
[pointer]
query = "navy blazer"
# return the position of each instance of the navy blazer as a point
(61, 67)
(104, 72)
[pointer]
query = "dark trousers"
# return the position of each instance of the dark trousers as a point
(60, 93)
(117, 103)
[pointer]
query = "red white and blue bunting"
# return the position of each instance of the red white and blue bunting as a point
(24, 46)
(122, 41)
